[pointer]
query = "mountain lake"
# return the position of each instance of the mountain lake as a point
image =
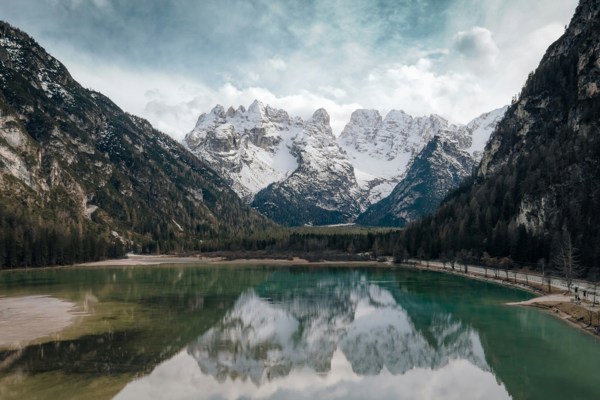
(294, 332)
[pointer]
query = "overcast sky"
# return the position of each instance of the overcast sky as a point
(171, 60)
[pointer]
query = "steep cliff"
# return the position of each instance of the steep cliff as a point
(538, 179)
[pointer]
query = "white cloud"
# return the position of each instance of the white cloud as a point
(477, 46)
(419, 90)
(173, 103)
(277, 64)
(469, 71)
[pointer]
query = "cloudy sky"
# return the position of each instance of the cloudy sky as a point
(171, 60)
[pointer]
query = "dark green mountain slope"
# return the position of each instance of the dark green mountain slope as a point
(81, 179)
(539, 179)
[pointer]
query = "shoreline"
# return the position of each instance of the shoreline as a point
(148, 260)
(559, 305)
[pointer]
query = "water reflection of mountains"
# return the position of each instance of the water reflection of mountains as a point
(263, 339)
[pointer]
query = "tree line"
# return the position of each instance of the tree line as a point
(29, 240)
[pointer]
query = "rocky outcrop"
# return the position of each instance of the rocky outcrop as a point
(249, 148)
(537, 183)
(322, 190)
(439, 168)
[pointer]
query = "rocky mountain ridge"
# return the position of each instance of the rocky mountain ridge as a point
(381, 149)
(296, 172)
(438, 169)
(322, 190)
(249, 147)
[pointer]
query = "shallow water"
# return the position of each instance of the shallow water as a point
(185, 332)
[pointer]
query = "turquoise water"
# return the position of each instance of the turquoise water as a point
(185, 332)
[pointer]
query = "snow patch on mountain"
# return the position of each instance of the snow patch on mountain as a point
(381, 149)
(480, 130)
(249, 148)
(279, 164)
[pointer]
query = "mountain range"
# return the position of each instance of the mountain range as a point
(298, 173)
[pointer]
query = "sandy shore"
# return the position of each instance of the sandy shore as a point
(563, 306)
(26, 318)
(135, 259)
(551, 298)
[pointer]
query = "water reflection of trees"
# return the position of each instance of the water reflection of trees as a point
(264, 338)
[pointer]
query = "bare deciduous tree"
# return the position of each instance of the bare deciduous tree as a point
(566, 259)
(545, 274)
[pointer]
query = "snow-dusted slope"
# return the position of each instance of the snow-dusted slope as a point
(480, 130)
(296, 172)
(322, 190)
(249, 148)
(437, 169)
(381, 149)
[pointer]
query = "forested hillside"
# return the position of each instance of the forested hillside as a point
(538, 184)
(80, 179)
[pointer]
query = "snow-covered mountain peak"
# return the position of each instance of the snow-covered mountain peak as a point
(230, 112)
(323, 189)
(249, 147)
(218, 110)
(362, 122)
(255, 147)
(257, 110)
(380, 150)
(321, 116)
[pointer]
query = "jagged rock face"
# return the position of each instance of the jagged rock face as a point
(381, 149)
(538, 179)
(322, 190)
(71, 150)
(563, 92)
(297, 173)
(437, 169)
(290, 170)
(250, 149)
(559, 108)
